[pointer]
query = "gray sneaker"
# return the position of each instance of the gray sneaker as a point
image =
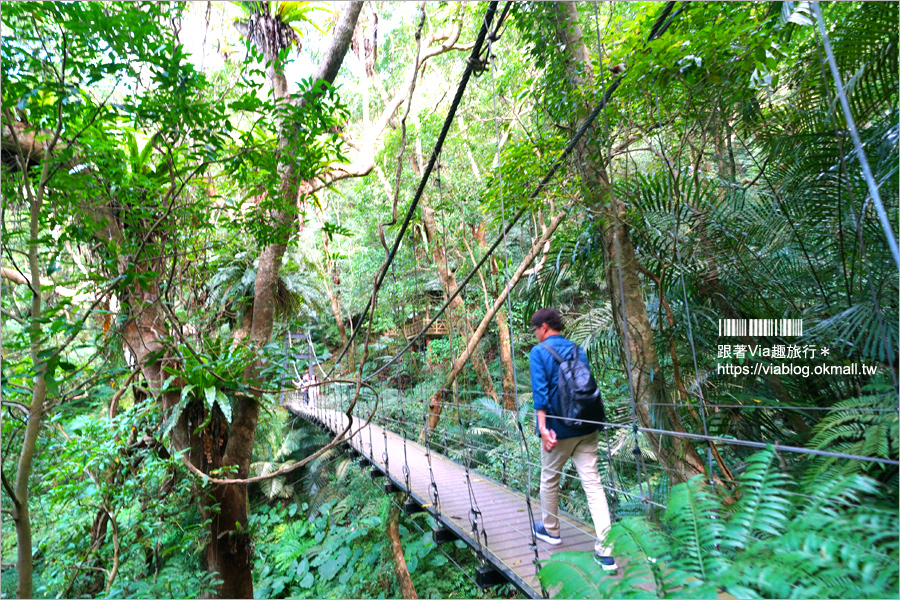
(607, 563)
(540, 532)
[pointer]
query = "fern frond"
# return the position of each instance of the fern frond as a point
(764, 507)
(650, 555)
(697, 527)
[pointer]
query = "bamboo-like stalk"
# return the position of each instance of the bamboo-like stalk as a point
(437, 399)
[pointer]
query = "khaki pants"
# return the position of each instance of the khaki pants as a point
(583, 451)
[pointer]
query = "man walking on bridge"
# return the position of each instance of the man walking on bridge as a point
(559, 440)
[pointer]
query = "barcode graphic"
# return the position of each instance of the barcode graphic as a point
(757, 327)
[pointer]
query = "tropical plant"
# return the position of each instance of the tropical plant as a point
(863, 426)
(774, 542)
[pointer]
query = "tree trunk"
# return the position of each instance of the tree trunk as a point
(19, 497)
(436, 403)
(407, 589)
(339, 319)
(230, 550)
(336, 311)
(508, 381)
(456, 309)
(506, 362)
(332, 279)
(482, 372)
(678, 455)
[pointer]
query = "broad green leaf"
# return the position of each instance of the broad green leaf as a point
(224, 404)
(210, 394)
(330, 569)
(576, 571)
(307, 581)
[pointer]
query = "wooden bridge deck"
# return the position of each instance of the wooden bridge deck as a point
(504, 516)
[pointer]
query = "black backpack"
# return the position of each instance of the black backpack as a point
(579, 402)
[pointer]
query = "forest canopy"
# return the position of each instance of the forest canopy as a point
(216, 215)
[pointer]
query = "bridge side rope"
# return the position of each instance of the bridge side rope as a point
(523, 446)
(440, 547)
(402, 405)
(474, 510)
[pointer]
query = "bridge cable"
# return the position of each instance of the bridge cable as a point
(563, 156)
(523, 446)
(398, 382)
(474, 510)
(448, 121)
(432, 488)
(844, 171)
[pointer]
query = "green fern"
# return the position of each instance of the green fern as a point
(294, 544)
(698, 528)
(764, 506)
(831, 541)
(648, 551)
(864, 426)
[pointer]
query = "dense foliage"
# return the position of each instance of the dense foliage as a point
(185, 184)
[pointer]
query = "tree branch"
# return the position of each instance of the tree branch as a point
(10, 491)
(24, 409)
(340, 42)
(13, 317)
(14, 276)
(364, 164)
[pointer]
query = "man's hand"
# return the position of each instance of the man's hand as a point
(548, 439)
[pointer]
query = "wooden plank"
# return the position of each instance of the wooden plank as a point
(504, 515)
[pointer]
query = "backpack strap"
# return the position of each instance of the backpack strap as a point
(553, 352)
(576, 349)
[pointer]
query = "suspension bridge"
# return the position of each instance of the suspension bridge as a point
(493, 517)
(489, 516)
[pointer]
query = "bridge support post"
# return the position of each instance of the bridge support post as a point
(376, 472)
(487, 576)
(442, 534)
(411, 507)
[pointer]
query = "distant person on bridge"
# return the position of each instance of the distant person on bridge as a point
(560, 441)
(304, 388)
(313, 389)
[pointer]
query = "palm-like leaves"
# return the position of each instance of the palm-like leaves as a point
(271, 25)
(274, 487)
(594, 330)
(232, 286)
(864, 426)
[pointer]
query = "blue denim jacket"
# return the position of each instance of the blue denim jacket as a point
(544, 377)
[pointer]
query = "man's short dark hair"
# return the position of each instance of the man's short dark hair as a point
(548, 316)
